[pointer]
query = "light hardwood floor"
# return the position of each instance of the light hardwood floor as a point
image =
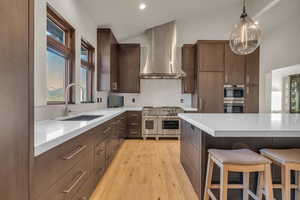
(146, 170)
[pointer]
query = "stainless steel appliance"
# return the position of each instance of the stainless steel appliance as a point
(234, 107)
(159, 122)
(234, 100)
(234, 92)
(114, 101)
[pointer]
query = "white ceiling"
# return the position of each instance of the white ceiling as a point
(193, 16)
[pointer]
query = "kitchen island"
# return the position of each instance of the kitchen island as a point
(201, 132)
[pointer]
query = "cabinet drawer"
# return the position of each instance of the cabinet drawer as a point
(134, 133)
(86, 190)
(102, 132)
(134, 116)
(100, 156)
(67, 187)
(54, 164)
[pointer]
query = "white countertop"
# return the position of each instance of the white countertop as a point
(246, 125)
(51, 133)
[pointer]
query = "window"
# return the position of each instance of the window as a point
(60, 56)
(87, 71)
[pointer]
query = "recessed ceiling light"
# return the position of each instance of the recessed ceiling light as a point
(142, 6)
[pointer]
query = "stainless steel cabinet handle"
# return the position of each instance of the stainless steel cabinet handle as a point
(200, 102)
(75, 152)
(115, 86)
(134, 115)
(226, 78)
(247, 79)
(134, 124)
(77, 180)
(106, 130)
(247, 90)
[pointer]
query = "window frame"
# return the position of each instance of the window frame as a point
(90, 67)
(67, 50)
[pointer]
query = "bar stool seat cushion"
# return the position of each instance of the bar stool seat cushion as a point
(283, 155)
(238, 157)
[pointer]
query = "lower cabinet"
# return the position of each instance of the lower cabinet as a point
(190, 155)
(72, 170)
(134, 124)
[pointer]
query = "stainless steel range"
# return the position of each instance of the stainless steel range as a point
(161, 122)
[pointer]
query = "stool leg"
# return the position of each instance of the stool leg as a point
(268, 183)
(224, 183)
(246, 185)
(297, 193)
(286, 182)
(260, 185)
(209, 173)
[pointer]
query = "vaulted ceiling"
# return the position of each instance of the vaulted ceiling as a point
(194, 17)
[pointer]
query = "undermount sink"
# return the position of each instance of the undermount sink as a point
(83, 118)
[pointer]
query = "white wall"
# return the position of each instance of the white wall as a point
(280, 88)
(159, 93)
(85, 27)
(280, 48)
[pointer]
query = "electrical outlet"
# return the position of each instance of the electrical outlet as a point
(133, 100)
(181, 100)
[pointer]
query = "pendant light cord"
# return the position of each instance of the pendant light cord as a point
(244, 12)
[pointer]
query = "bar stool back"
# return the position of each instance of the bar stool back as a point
(243, 160)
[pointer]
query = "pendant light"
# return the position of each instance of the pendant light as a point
(246, 36)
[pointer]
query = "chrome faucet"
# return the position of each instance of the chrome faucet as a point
(67, 90)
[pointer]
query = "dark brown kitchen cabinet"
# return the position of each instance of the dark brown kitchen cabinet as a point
(107, 61)
(72, 170)
(134, 124)
(16, 86)
(190, 155)
(188, 66)
(123, 127)
(66, 188)
(211, 92)
(129, 68)
(252, 82)
(252, 99)
(252, 68)
(114, 75)
(51, 166)
(211, 56)
(234, 67)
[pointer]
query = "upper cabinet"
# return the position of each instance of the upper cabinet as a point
(211, 56)
(234, 68)
(114, 84)
(129, 68)
(252, 68)
(211, 92)
(252, 82)
(219, 66)
(118, 64)
(188, 66)
(107, 61)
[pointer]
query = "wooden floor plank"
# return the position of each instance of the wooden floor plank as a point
(146, 170)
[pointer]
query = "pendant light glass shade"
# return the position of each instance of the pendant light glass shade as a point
(246, 36)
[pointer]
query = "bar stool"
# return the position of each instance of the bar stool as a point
(242, 160)
(288, 160)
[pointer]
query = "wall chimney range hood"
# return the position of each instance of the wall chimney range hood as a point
(161, 59)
